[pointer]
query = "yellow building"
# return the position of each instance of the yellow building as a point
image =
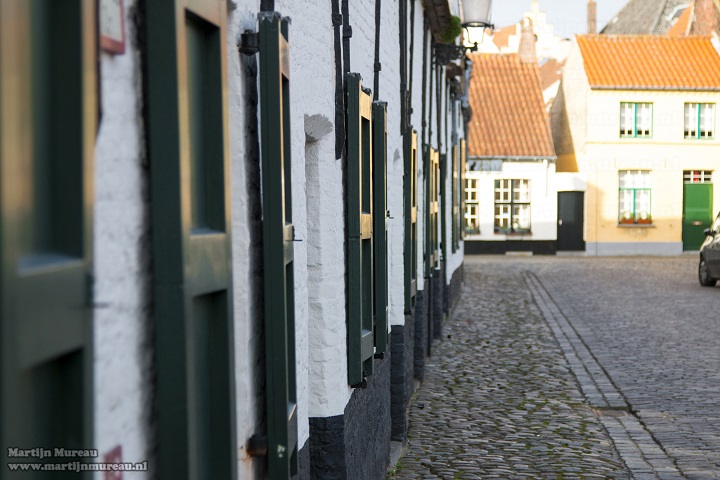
(635, 120)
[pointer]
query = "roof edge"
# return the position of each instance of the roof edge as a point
(660, 89)
(513, 158)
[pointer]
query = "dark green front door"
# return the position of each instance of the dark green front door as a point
(697, 213)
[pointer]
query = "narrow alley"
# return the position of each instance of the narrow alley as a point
(562, 368)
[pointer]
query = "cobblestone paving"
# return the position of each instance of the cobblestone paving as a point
(500, 400)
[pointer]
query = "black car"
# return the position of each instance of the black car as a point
(709, 269)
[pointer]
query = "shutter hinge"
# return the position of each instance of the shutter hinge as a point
(337, 20)
(257, 446)
(378, 66)
(347, 31)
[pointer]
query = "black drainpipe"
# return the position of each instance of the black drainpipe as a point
(378, 66)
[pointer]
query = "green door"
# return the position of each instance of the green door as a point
(48, 115)
(697, 213)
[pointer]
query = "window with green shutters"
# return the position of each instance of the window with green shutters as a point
(432, 177)
(462, 183)
(410, 192)
(455, 200)
(48, 122)
(360, 231)
(187, 125)
(278, 236)
(379, 195)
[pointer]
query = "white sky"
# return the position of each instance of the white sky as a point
(568, 16)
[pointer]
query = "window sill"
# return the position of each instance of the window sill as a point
(515, 234)
(636, 225)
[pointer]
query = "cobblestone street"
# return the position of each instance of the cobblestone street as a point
(560, 368)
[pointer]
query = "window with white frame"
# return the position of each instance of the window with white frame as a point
(635, 197)
(472, 205)
(699, 120)
(636, 119)
(697, 176)
(512, 206)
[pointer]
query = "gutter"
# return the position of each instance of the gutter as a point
(513, 158)
(664, 89)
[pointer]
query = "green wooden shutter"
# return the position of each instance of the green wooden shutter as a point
(442, 216)
(463, 162)
(187, 98)
(455, 200)
(360, 231)
(379, 183)
(48, 121)
(431, 212)
(278, 236)
(411, 211)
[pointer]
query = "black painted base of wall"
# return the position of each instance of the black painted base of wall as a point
(539, 247)
(438, 282)
(303, 463)
(355, 445)
(402, 375)
(420, 347)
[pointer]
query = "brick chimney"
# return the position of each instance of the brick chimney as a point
(527, 50)
(706, 18)
(592, 17)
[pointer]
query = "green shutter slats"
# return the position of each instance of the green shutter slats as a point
(410, 192)
(188, 138)
(443, 206)
(278, 237)
(360, 230)
(48, 123)
(380, 225)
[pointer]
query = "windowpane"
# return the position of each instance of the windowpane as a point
(707, 120)
(644, 119)
(521, 217)
(472, 217)
(634, 199)
(627, 119)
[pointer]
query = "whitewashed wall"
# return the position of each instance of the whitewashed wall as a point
(123, 318)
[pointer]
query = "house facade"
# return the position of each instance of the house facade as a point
(510, 191)
(230, 230)
(636, 119)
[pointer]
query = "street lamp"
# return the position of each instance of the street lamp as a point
(476, 13)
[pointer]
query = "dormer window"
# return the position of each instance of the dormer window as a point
(699, 120)
(635, 120)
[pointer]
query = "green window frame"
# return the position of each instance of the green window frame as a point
(48, 124)
(699, 121)
(636, 120)
(512, 206)
(635, 197)
(432, 167)
(410, 190)
(360, 231)
(278, 250)
(472, 206)
(190, 165)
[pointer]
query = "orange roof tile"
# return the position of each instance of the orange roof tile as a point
(551, 72)
(682, 25)
(509, 117)
(501, 37)
(650, 62)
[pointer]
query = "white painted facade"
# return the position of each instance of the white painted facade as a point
(124, 331)
(543, 197)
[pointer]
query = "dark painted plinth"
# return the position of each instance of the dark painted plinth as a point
(355, 445)
(421, 351)
(402, 375)
(539, 247)
(456, 286)
(438, 301)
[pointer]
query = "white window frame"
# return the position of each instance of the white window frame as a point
(635, 197)
(636, 120)
(472, 206)
(512, 209)
(699, 121)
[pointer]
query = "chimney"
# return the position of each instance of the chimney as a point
(527, 50)
(592, 17)
(706, 18)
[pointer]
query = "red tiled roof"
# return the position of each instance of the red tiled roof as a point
(501, 37)
(509, 117)
(650, 62)
(681, 26)
(551, 72)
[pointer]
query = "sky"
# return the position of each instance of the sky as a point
(568, 16)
